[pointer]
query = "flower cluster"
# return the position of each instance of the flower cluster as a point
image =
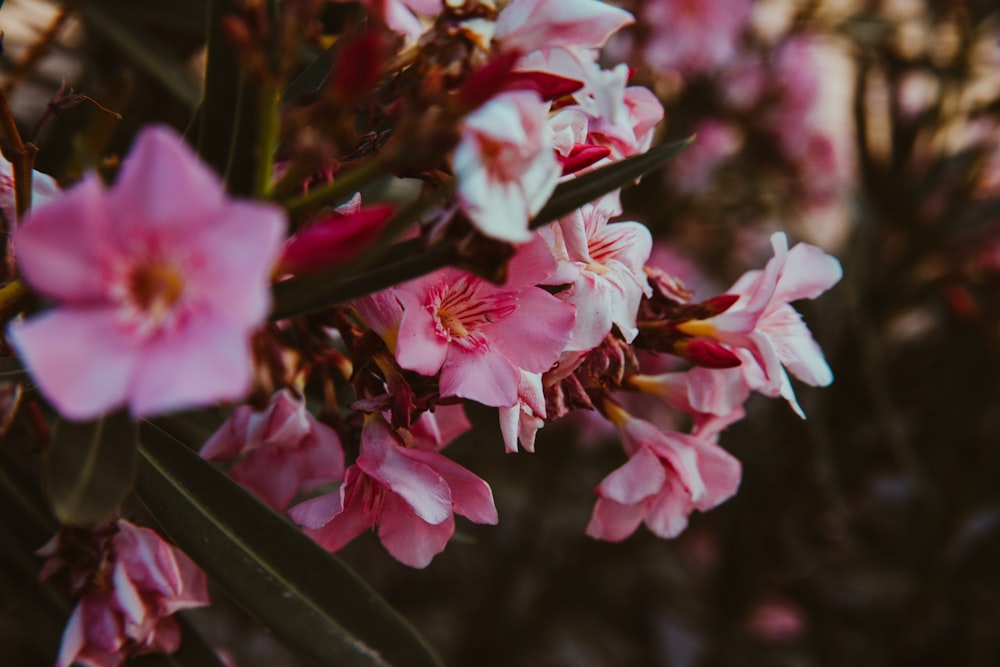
(156, 295)
(130, 584)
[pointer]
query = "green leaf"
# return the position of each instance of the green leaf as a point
(312, 77)
(584, 189)
(304, 595)
(227, 120)
(91, 466)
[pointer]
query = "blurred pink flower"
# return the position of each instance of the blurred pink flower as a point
(504, 164)
(158, 284)
(410, 494)
(287, 450)
(667, 476)
(715, 142)
(693, 36)
(128, 601)
(480, 336)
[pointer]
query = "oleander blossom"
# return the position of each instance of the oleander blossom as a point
(480, 336)
(504, 164)
(768, 334)
(286, 450)
(129, 596)
(694, 36)
(668, 475)
(411, 494)
(158, 283)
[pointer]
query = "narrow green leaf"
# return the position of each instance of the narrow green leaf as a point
(227, 122)
(408, 260)
(573, 194)
(312, 77)
(305, 596)
(146, 51)
(91, 466)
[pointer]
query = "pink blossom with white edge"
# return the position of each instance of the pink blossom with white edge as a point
(504, 164)
(158, 283)
(768, 334)
(668, 475)
(412, 496)
(603, 265)
(286, 449)
(527, 25)
(480, 336)
(128, 603)
(43, 188)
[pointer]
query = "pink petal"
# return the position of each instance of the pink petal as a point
(479, 375)
(417, 484)
(526, 25)
(270, 475)
(796, 347)
(639, 478)
(721, 472)
(419, 345)
(613, 521)
(470, 496)
(410, 540)
(668, 513)
(238, 246)
(204, 362)
(317, 512)
(64, 247)
(80, 360)
(535, 335)
(808, 272)
(163, 184)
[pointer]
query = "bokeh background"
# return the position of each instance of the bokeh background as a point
(868, 534)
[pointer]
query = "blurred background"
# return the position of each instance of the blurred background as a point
(868, 534)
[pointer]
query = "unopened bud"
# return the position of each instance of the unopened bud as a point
(706, 353)
(582, 156)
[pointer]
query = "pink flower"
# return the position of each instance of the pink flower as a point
(526, 25)
(480, 336)
(694, 36)
(667, 476)
(769, 334)
(158, 284)
(504, 164)
(716, 141)
(287, 450)
(128, 600)
(410, 494)
(603, 264)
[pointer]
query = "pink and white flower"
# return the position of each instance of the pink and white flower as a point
(527, 25)
(768, 334)
(128, 602)
(411, 494)
(504, 164)
(158, 283)
(286, 449)
(480, 336)
(603, 265)
(668, 475)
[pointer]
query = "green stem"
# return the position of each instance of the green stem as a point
(336, 191)
(269, 128)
